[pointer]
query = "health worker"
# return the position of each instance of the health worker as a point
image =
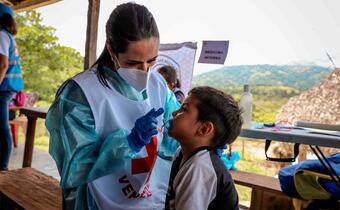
(107, 123)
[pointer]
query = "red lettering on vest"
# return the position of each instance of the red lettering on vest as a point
(130, 192)
(127, 189)
(123, 179)
(134, 195)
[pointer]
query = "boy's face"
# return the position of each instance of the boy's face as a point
(185, 120)
(171, 85)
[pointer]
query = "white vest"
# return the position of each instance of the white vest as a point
(131, 187)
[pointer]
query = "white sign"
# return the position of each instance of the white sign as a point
(214, 52)
(182, 58)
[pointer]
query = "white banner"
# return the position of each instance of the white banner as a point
(182, 58)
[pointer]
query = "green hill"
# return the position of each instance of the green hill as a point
(295, 76)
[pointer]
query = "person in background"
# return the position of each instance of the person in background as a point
(170, 76)
(32, 99)
(10, 79)
(106, 123)
(199, 180)
(23, 99)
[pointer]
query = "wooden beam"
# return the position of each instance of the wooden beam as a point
(91, 33)
(32, 4)
(7, 2)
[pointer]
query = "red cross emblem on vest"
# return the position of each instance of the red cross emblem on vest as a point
(145, 165)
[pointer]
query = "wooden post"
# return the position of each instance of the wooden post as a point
(91, 33)
(28, 152)
(32, 113)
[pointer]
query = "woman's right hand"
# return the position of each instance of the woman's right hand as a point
(145, 127)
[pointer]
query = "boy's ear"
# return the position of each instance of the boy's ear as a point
(206, 129)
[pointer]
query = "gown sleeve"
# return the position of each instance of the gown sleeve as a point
(169, 145)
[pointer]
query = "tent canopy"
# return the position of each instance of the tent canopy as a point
(92, 22)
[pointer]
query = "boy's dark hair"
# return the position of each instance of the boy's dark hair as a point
(168, 73)
(222, 110)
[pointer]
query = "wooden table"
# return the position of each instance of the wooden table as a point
(32, 114)
(15, 108)
(263, 188)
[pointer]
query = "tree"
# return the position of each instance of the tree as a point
(45, 63)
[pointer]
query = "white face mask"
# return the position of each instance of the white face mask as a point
(134, 77)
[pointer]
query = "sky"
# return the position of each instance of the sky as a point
(260, 31)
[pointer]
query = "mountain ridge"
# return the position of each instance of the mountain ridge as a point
(300, 77)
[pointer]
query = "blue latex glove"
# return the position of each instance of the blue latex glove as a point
(145, 128)
(219, 150)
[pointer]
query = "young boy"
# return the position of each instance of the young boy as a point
(207, 119)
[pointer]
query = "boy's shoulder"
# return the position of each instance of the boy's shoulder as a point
(206, 170)
(209, 159)
(209, 164)
(218, 164)
(206, 161)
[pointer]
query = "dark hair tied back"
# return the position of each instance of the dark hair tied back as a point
(128, 22)
(7, 22)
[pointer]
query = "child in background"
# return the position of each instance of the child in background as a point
(173, 83)
(207, 119)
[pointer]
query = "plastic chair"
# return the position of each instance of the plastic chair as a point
(14, 132)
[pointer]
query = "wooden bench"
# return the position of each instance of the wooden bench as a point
(266, 191)
(29, 189)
